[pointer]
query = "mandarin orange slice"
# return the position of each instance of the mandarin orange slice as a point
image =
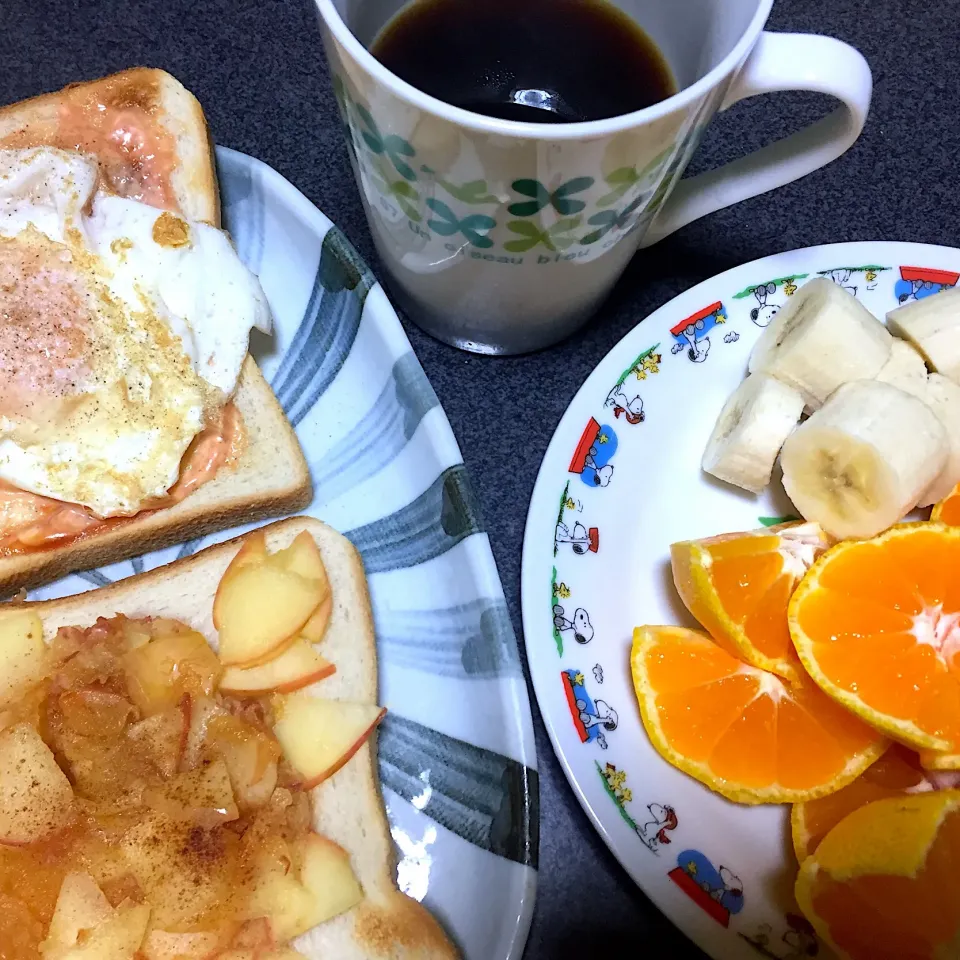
(935, 760)
(744, 732)
(884, 884)
(738, 585)
(877, 625)
(896, 774)
(948, 509)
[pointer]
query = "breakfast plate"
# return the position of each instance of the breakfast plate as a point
(457, 759)
(620, 482)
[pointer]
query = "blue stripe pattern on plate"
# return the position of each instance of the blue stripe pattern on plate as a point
(425, 528)
(379, 435)
(470, 640)
(484, 797)
(327, 330)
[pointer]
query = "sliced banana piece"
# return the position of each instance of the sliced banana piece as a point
(932, 325)
(905, 368)
(942, 396)
(822, 338)
(756, 419)
(860, 463)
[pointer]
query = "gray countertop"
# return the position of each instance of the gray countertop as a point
(258, 68)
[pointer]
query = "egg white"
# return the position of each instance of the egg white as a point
(160, 309)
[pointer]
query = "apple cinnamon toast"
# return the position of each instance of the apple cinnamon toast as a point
(347, 807)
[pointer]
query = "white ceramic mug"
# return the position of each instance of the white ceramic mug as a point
(504, 237)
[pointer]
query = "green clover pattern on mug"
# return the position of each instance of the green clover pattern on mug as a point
(620, 181)
(559, 199)
(473, 192)
(403, 193)
(607, 220)
(448, 224)
(395, 148)
(377, 153)
(555, 237)
(623, 178)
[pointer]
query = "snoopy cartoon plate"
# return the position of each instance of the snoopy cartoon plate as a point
(620, 482)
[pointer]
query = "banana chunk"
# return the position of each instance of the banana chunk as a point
(822, 338)
(905, 368)
(932, 325)
(860, 463)
(942, 396)
(756, 419)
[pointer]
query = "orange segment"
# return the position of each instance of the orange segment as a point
(877, 625)
(934, 760)
(895, 774)
(883, 883)
(942, 768)
(948, 509)
(738, 585)
(742, 731)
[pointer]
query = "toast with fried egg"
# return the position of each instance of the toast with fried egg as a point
(348, 807)
(149, 140)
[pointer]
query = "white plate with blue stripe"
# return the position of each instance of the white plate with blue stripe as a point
(457, 758)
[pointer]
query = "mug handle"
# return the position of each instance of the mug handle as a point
(779, 61)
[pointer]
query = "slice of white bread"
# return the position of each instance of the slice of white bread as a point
(161, 99)
(271, 477)
(348, 808)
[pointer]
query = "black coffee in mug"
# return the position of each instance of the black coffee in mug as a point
(540, 61)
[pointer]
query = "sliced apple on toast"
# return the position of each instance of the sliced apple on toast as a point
(298, 666)
(85, 927)
(261, 611)
(117, 938)
(303, 558)
(163, 736)
(162, 670)
(252, 552)
(23, 654)
(81, 905)
(326, 872)
(163, 945)
(326, 887)
(36, 799)
(265, 601)
(203, 796)
(319, 736)
(250, 757)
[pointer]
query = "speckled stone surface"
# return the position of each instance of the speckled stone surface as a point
(258, 68)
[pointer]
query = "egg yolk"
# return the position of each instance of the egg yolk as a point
(45, 330)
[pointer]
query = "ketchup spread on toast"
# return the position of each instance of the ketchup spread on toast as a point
(118, 121)
(30, 522)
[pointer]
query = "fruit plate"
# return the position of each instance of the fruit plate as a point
(619, 483)
(457, 758)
